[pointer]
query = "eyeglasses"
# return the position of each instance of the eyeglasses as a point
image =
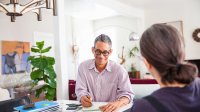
(99, 52)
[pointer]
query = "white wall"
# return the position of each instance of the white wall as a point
(24, 27)
(83, 36)
(83, 33)
(188, 12)
(141, 90)
(27, 26)
(119, 28)
(79, 32)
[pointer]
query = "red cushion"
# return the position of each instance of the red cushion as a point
(143, 81)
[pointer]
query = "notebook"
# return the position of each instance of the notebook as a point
(39, 106)
(93, 108)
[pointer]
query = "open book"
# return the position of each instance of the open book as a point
(39, 106)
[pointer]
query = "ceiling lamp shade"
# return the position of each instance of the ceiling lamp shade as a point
(14, 9)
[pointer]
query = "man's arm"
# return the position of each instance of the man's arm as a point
(124, 86)
(124, 93)
(86, 101)
(113, 106)
(81, 88)
(81, 84)
(123, 100)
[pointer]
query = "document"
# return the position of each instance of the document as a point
(93, 108)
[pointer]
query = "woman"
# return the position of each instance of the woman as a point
(162, 48)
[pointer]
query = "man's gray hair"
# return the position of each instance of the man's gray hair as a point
(103, 38)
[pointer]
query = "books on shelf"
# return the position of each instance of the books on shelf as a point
(40, 106)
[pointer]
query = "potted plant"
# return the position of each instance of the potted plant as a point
(42, 70)
(132, 53)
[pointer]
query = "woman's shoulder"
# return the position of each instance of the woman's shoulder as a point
(142, 105)
(196, 84)
(197, 81)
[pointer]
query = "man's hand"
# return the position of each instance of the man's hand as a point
(86, 101)
(113, 106)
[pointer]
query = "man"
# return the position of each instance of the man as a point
(102, 80)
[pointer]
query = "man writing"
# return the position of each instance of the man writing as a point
(102, 80)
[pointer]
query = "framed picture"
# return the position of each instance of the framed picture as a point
(177, 24)
(15, 57)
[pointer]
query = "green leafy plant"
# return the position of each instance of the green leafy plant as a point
(132, 53)
(42, 70)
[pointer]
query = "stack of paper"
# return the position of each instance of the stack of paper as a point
(39, 106)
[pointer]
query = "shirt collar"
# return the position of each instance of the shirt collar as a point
(92, 65)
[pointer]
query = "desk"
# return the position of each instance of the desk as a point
(63, 105)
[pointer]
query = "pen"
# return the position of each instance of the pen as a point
(90, 98)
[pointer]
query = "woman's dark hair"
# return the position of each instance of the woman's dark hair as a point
(163, 47)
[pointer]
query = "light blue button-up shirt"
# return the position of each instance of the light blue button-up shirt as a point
(106, 86)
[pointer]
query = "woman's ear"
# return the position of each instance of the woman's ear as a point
(148, 65)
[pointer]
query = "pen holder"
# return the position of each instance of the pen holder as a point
(28, 103)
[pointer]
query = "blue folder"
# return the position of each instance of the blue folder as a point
(39, 106)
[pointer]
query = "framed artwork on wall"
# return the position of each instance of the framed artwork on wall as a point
(177, 24)
(15, 57)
